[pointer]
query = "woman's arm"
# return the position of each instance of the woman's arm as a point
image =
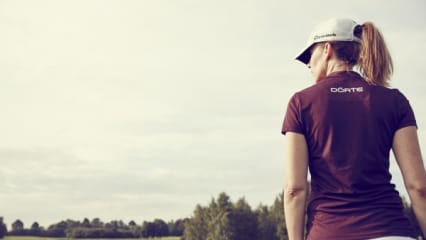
(408, 155)
(296, 187)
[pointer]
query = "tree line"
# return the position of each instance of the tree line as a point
(95, 228)
(220, 219)
(224, 220)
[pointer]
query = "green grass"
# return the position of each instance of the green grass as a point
(42, 238)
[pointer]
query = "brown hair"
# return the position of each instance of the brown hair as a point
(372, 56)
(375, 61)
(347, 51)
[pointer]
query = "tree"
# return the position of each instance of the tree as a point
(35, 226)
(57, 230)
(223, 220)
(243, 221)
(196, 226)
(86, 223)
(115, 225)
(97, 223)
(161, 228)
(266, 228)
(3, 228)
(17, 226)
(132, 224)
(277, 215)
(148, 229)
(35, 229)
(219, 225)
(136, 231)
(176, 228)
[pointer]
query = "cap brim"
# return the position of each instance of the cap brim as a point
(305, 56)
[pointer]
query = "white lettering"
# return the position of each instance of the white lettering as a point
(347, 90)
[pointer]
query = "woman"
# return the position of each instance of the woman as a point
(342, 129)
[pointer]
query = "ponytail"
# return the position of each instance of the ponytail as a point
(375, 62)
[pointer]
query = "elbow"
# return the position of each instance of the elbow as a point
(417, 190)
(295, 191)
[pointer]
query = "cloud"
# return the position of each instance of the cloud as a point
(142, 109)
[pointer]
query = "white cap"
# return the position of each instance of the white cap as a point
(332, 30)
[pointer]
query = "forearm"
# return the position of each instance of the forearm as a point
(407, 152)
(294, 209)
(296, 186)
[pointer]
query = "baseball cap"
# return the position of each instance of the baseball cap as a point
(331, 30)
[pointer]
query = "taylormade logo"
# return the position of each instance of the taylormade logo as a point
(347, 90)
(316, 37)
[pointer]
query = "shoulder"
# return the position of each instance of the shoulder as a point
(309, 91)
(314, 92)
(394, 93)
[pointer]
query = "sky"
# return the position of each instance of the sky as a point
(136, 110)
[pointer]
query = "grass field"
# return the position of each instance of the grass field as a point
(42, 238)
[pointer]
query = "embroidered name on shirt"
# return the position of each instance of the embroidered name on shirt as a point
(347, 90)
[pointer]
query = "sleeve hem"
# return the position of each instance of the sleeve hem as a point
(284, 131)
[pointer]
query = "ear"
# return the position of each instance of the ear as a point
(328, 51)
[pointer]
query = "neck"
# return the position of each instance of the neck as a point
(337, 66)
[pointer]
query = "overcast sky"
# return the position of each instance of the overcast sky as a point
(136, 110)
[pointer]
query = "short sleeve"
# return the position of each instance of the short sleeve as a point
(293, 119)
(405, 112)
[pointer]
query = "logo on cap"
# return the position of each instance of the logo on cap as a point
(316, 37)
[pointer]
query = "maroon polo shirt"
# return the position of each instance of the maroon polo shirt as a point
(349, 127)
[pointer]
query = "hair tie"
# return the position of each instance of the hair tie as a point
(358, 30)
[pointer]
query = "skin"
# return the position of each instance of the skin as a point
(405, 147)
(296, 188)
(409, 158)
(323, 62)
